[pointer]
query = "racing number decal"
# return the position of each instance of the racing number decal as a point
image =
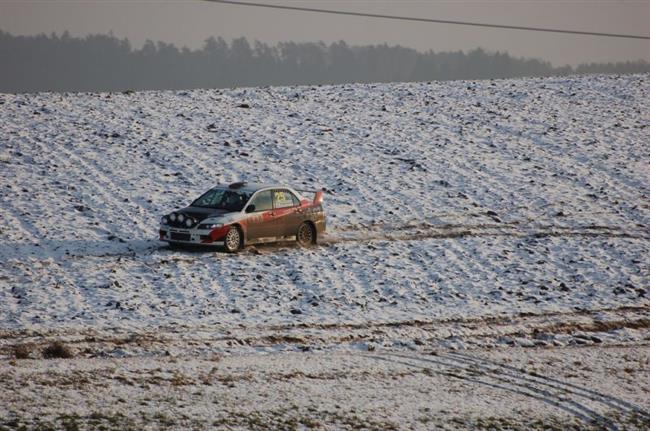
(280, 197)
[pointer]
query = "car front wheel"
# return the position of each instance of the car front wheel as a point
(233, 240)
(306, 235)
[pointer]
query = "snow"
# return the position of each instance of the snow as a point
(501, 218)
(444, 199)
(375, 391)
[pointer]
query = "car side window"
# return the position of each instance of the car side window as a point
(283, 199)
(263, 201)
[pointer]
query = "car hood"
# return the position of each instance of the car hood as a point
(200, 213)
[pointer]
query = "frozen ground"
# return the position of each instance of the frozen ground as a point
(521, 389)
(464, 216)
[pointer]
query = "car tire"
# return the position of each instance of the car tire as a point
(233, 240)
(306, 235)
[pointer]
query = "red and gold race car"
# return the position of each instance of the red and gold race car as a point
(232, 216)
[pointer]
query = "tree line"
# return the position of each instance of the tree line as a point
(106, 63)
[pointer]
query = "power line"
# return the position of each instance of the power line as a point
(429, 20)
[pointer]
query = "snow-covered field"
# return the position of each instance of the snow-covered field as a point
(518, 389)
(462, 215)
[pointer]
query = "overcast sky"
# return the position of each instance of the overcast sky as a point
(190, 22)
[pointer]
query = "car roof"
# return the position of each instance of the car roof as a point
(251, 187)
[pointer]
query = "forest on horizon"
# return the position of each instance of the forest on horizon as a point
(105, 63)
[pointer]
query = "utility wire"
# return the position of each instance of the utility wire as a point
(438, 21)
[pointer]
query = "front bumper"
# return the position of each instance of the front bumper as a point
(193, 236)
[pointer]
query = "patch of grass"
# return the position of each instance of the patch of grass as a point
(94, 421)
(293, 419)
(163, 419)
(549, 423)
(57, 350)
(180, 379)
(23, 351)
(631, 421)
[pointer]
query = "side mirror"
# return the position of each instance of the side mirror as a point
(250, 208)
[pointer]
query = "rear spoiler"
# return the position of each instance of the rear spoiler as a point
(318, 195)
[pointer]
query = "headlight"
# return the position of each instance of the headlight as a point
(210, 226)
(188, 223)
(172, 217)
(181, 217)
(163, 220)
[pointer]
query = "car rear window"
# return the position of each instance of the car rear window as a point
(284, 199)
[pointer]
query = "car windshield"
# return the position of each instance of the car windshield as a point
(222, 199)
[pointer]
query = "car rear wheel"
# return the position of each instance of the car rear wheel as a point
(306, 235)
(233, 240)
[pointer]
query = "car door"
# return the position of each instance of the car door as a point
(287, 213)
(260, 222)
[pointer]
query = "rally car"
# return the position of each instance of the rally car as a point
(232, 216)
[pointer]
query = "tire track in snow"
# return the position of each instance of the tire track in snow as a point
(510, 383)
(106, 188)
(459, 166)
(535, 378)
(409, 232)
(9, 217)
(538, 146)
(561, 166)
(92, 191)
(405, 232)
